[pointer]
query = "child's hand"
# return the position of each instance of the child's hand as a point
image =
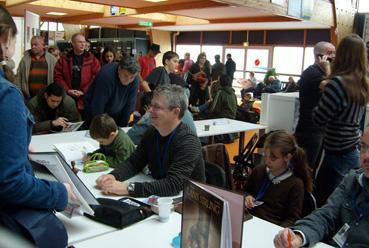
(249, 202)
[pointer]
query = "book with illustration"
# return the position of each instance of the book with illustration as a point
(211, 217)
(74, 151)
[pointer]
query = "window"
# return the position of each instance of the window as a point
(52, 26)
(309, 57)
(288, 60)
(194, 51)
(60, 26)
(238, 56)
(363, 6)
(257, 59)
(211, 51)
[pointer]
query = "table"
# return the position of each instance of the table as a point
(226, 126)
(256, 233)
(44, 143)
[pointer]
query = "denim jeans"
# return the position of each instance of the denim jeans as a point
(334, 167)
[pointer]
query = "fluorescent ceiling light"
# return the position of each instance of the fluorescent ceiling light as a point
(56, 13)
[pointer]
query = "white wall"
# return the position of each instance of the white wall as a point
(19, 46)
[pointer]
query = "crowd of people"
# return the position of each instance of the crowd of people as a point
(51, 90)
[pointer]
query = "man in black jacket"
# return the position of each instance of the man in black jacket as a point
(171, 150)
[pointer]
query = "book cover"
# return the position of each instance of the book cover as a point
(211, 217)
(72, 126)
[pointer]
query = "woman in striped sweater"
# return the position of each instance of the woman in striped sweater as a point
(340, 110)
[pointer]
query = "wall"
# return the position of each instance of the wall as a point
(19, 45)
(163, 39)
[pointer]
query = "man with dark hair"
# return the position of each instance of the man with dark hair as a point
(52, 109)
(217, 69)
(230, 66)
(114, 91)
(76, 70)
(170, 148)
(160, 75)
(36, 69)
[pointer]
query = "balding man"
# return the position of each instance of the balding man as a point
(309, 135)
(76, 70)
(36, 69)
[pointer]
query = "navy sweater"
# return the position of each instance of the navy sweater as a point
(108, 95)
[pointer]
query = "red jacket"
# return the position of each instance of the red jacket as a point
(63, 73)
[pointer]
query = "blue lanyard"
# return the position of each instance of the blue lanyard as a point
(360, 212)
(264, 187)
(160, 158)
(266, 184)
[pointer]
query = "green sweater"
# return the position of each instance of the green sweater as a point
(224, 104)
(119, 150)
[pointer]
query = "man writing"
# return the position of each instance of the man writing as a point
(171, 150)
(52, 109)
(344, 220)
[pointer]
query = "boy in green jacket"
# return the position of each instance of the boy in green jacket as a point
(114, 142)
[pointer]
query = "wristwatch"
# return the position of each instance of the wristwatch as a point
(131, 188)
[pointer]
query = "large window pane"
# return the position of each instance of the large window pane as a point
(45, 26)
(194, 51)
(211, 51)
(238, 56)
(309, 57)
(257, 59)
(60, 26)
(288, 60)
(52, 26)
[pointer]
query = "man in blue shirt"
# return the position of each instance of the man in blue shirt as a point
(114, 91)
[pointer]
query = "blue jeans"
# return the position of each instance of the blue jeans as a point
(334, 167)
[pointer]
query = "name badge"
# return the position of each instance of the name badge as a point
(341, 236)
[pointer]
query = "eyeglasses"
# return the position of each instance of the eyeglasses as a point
(363, 147)
(157, 107)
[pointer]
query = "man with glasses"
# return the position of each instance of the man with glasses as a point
(344, 220)
(170, 148)
(114, 92)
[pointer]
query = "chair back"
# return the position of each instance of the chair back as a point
(215, 175)
(217, 154)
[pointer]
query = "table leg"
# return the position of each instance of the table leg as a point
(241, 142)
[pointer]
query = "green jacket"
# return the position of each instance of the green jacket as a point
(224, 104)
(24, 67)
(39, 108)
(119, 150)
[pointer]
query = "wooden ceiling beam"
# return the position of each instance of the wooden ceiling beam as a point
(180, 6)
(79, 18)
(11, 3)
(255, 19)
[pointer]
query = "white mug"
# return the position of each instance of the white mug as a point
(165, 207)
